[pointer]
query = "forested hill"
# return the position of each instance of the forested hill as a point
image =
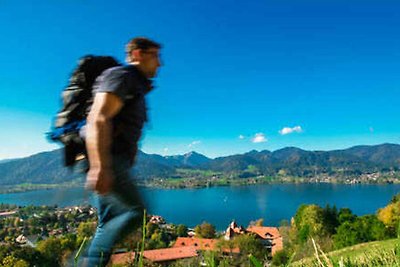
(47, 167)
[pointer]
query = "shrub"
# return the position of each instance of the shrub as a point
(280, 258)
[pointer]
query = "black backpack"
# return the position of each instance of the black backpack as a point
(76, 101)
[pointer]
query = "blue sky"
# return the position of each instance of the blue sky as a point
(235, 74)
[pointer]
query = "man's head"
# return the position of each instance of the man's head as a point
(144, 53)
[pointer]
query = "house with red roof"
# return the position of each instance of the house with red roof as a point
(184, 247)
(199, 243)
(270, 236)
(188, 247)
(163, 256)
(203, 244)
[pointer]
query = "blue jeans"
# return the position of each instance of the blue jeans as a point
(119, 213)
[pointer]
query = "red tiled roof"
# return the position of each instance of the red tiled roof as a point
(269, 233)
(201, 244)
(167, 254)
(157, 255)
(265, 232)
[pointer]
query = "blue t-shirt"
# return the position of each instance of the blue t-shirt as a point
(131, 86)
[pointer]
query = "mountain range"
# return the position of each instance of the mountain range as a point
(47, 167)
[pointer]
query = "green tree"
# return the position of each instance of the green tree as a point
(346, 235)
(280, 258)
(398, 230)
(345, 214)
(157, 240)
(363, 229)
(181, 230)
(11, 261)
(151, 228)
(51, 249)
(330, 219)
(28, 254)
(309, 221)
(226, 246)
(249, 244)
(5, 251)
(304, 233)
(86, 229)
(205, 230)
(69, 242)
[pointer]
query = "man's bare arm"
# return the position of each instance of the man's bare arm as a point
(99, 139)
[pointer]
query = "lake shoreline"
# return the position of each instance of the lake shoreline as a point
(22, 188)
(222, 204)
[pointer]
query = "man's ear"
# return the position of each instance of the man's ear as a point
(136, 55)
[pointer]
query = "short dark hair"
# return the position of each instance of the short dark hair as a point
(142, 43)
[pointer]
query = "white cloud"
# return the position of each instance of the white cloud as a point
(166, 150)
(241, 137)
(259, 138)
(288, 130)
(192, 144)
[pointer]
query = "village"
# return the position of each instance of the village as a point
(27, 226)
(193, 246)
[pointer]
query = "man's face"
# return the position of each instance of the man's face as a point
(150, 61)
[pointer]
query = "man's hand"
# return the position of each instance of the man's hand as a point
(100, 180)
(100, 177)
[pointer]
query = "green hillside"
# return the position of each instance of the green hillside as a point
(371, 254)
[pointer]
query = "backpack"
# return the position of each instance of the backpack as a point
(76, 102)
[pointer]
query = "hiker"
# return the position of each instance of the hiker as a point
(113, 129)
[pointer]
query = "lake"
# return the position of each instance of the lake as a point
(220, 205)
